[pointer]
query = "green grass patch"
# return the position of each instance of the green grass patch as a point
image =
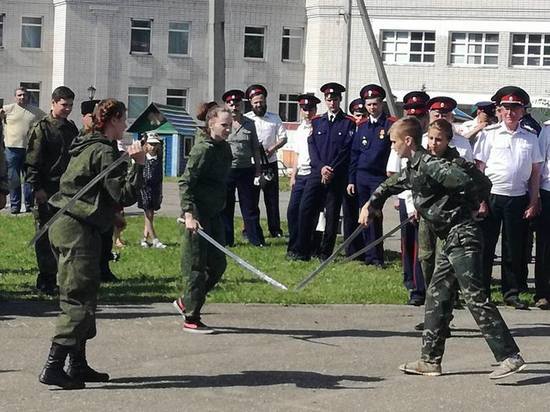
(153, 275)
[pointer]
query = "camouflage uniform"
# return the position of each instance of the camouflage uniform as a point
(46, 159)
(76, 236)
(444, 194)
(203, 193)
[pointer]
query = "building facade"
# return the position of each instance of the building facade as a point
(182, 52)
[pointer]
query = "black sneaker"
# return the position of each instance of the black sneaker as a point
(197, 327)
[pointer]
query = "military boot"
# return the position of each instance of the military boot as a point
(79, 369)
(53, 373)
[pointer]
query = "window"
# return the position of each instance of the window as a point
(178, 38)
(254, 42)
(479, 49)
(177, 97)
(140, 41)
(33, 91)
(2, 30)
(531, 50)
(138, 99)
(292, 44)
(288, 107)
(31, 32)
(408, 46)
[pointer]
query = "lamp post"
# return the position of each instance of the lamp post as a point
(91, 92)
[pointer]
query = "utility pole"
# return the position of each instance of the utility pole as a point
(347, 19)
(382, 77)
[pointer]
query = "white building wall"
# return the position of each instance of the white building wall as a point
(18, 64)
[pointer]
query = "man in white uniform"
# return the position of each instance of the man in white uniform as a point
(510, 156)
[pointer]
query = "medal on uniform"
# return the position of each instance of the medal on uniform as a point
(382, 134)
(364, 141)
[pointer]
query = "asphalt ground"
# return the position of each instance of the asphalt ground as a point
(271, 358)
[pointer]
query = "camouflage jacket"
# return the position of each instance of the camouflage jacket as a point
(48, 153)
(440, 188)
(203, 183)
(89, 155)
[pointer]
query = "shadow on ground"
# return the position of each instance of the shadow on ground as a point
(300, 379)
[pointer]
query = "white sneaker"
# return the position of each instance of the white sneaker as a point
(144, 243)
(157, 244)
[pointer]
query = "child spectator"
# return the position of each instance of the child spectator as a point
(151, 193)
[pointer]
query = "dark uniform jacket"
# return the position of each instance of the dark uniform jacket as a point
(48, 153)
(203, 183)
(442, 190)
(89, 155)
(329, 143)
(370, 149)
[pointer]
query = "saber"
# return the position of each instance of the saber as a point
(377, 241)
(344, 244)
(243, 263)
(77, 196)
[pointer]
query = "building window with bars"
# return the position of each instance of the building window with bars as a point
(138, 99)
(31, 32)
(254, 40)
(140, 38)
(178, 38)
(474, 49)
(288, 107)
(177, 97)
(293, 39)
(33, 92)
(405, 47)
(532, 50)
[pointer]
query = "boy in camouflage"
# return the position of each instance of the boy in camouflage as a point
(443, 193)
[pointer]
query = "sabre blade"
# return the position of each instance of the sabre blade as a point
(77, 196)
(342, 246)
(240, 261)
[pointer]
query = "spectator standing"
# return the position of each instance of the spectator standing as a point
(46, 159)
(510, 156)
(18, 118)
(245, 173)
(301, 169)
(272, 136)
(150, 194)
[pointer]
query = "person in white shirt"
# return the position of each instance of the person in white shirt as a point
(301, 169)
(542, 263)
(18, 118)
(272, 136)
(510, 156)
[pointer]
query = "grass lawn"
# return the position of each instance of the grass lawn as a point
(154, 275)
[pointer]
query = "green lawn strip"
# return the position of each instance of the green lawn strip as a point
(153, 275)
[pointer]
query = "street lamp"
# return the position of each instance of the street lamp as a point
(91, 92)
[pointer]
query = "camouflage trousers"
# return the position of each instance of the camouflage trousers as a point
(460, 258)
(202, 265)
(78, 249)
(47, 265)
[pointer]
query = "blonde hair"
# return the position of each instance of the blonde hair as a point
(443, 126)
(408, 126)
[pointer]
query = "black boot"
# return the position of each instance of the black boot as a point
(53, 373)
(79, 369)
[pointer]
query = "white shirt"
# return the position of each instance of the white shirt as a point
(18, 122)
(459, 142)
(269, 129)
(509, 157)
(302, 148)
(544, 146)
(395, 165)
(467, 126)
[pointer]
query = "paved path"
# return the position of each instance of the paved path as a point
(271, 358)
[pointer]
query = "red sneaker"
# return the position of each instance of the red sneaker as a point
(180, 307)
(196, 327)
